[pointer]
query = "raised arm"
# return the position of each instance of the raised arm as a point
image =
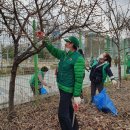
(54, 51)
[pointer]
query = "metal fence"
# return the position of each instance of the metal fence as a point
(23, 92)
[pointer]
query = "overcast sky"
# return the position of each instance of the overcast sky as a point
(124, 3)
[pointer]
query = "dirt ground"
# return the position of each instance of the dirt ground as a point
(42, 114)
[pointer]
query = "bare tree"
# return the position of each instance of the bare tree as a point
(127, 23)
(17, 17)
(116, 18)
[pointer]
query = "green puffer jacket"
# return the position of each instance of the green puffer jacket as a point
(71, 70)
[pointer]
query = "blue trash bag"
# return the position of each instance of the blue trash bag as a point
(103, 102)
(43, 91)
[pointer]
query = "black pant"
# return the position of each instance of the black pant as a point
(65, 112)
(94, 87)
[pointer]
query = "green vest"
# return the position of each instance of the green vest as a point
(128, 61)
(32, 80)
(95, 62)
(103, 70)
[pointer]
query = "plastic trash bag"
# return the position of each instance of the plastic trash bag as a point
(103, 102)
(43, 91)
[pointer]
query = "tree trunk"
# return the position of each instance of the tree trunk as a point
(119, 67)
(12, 90)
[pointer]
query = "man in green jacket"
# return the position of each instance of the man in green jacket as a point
(70, 75)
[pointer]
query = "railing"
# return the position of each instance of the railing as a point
(23, 92)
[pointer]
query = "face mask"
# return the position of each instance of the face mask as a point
(101, 56)
(67, 50)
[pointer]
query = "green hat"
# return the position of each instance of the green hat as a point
(73, 40)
